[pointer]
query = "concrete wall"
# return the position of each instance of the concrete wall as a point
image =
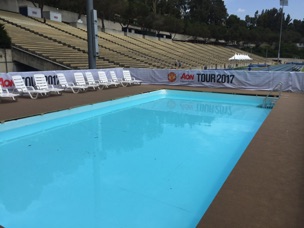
(13, 5)
(34, 61)
(9, 5)
(6, 62)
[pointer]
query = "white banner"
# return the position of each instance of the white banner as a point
(297, 82)
(248, 80)
(51, 76)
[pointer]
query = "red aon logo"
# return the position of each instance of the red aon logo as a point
(187, 76)
(6, 83)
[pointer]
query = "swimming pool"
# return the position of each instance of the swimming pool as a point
(151, 160)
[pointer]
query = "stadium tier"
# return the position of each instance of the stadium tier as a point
(67, 46)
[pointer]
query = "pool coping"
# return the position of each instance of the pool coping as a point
(266, 187)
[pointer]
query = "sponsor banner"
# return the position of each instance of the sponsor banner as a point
(297, 82)
(4, 81)
(249, 80)
(51, 76)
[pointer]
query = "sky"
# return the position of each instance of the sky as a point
(241, 8)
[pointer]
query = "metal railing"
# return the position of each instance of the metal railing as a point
(270, 100)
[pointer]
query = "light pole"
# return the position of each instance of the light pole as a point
(282, 3)
(92, 35)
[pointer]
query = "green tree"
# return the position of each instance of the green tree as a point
(236, 29)
(172, 25)
(211, 12)
(5, 40)
(298, 26)
(172, 8)
(197, 30)
(199, 10)
(218, 32)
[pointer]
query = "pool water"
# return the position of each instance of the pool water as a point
(151, 160)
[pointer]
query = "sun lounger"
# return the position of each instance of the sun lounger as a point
(24, 90)
(115, 79)
(69, 86)
(4, 93)
(80, 81)
(103, 80)
(91, 80)
(128, 79)
(41, 84)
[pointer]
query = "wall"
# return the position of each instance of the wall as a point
(33, 61)
(6, 62)
(10, 5)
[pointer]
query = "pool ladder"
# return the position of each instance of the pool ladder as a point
(270, 100)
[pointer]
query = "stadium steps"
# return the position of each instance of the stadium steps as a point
(61, 42)
(158, 56)
(42, 42)
(177, 51)
(208, 56)
(196, 51)
(108, 48)
(169, 54)
(158, 62)
(27, 24)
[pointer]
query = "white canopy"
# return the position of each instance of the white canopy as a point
(238, 56)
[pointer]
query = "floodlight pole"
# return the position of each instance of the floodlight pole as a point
(279, 51)
(90, 35)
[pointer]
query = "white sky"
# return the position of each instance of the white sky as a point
(241, 8)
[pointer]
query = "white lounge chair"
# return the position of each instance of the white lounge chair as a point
(69, 86)
(41, 84)
(4, 93)
(23, 90)
(128, 78)
(115, 79)
(80, 81)
(92, 81)
(103, 80)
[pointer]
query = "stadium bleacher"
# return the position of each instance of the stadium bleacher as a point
(67, 45)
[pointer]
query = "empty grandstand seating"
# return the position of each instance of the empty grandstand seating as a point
(67, 45)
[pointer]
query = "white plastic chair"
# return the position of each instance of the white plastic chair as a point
(128, 78)
(4, 93)
(92, 81)
(103, 80)
(115, 79)
(80, 81)
(41, 84)
(23, 90)
(69, 86)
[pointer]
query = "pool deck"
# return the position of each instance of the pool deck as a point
(265, 189)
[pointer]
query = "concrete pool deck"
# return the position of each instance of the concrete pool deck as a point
(265, 189)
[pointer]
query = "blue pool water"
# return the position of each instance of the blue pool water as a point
(151, 160)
